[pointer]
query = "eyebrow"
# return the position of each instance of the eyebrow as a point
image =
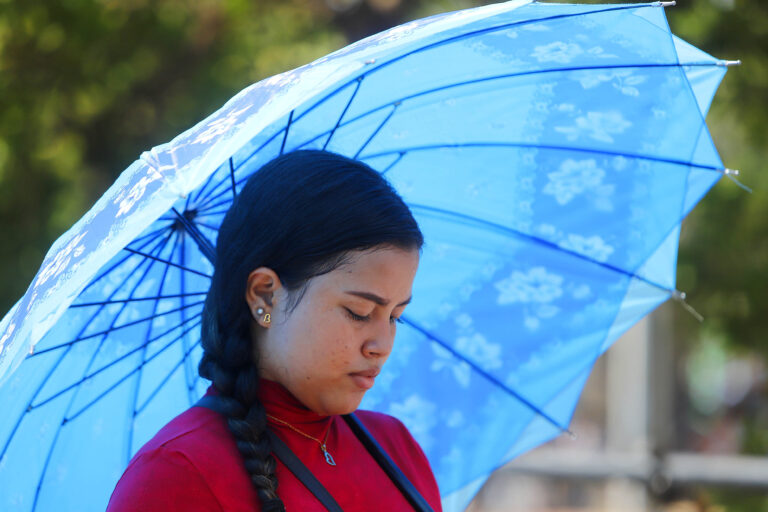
(378, 300)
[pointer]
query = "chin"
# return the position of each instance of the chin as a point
(344, 406)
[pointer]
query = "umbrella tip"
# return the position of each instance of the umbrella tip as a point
(571, 434)
(731, 175)
(729, 63)
(666, 4)
(680, 297)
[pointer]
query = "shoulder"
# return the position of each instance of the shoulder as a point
(183, 467)
(162, 478)
(198, 433)
(188, 429)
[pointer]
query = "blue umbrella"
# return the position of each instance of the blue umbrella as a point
(548, 152)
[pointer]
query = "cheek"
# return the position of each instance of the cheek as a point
(323, 346)
(335, 348)
(341, 353)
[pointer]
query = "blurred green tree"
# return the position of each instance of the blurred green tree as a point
(86, 85)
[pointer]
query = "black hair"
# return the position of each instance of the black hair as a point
(300, 215)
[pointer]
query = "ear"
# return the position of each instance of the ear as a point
(259, 291)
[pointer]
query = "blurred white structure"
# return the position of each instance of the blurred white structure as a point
(622, 458)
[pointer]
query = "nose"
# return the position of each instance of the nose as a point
(379, 344)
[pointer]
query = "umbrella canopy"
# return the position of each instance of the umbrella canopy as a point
(548, 152)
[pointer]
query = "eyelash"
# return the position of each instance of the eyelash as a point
(365, 318)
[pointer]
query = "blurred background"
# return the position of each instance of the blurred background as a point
(674, 417)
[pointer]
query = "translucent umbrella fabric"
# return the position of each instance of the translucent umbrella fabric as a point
(548, 152)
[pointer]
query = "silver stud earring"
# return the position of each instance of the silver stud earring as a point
(259, 311)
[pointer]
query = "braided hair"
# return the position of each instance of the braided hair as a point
(300, 215)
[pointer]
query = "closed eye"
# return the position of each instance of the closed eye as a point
(356, 316)
(360, 318)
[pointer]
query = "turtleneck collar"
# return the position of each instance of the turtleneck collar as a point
(280, 403)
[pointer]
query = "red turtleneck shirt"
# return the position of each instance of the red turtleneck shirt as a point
(192, 464)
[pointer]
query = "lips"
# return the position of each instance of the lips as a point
(371, 372)
(365, 378)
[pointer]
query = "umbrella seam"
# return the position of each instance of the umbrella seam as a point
(484, 374)
(547, 147)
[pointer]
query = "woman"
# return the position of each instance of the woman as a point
(315, 261)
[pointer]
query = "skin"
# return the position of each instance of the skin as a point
(313, 350)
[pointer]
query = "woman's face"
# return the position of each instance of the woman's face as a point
(328, 350)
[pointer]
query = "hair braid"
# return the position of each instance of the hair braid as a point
(227, 362)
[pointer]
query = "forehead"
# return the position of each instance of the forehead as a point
(385, 271)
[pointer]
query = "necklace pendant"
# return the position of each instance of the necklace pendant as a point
(328, 457)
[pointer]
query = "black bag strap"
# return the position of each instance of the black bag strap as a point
(394, 473)
(301, 472)
(291, 461)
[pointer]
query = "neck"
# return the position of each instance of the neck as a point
(281, 404)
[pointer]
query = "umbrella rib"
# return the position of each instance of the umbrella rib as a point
(338, 121)
(159, 336)
(232, 177)
(138, 299)
(535, 239)
(205, 246)
(124, 378)
(187, 370)
(208, 207)
(220, 193)
(215, 193)
(167, 377)
(140, 320)
(161, 260)
(115, 361)
(152, 234)
(501, 77)
(395, 162)
(553, 147)
(205, 185)
(113, 328)
(206, 225)
(485, 374)
(468, 35)
(155, 235)
(376, 131)
(150, 324)
(210, 214)
(285, 134)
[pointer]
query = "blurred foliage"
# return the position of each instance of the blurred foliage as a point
(87, 85)
(723, 263)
